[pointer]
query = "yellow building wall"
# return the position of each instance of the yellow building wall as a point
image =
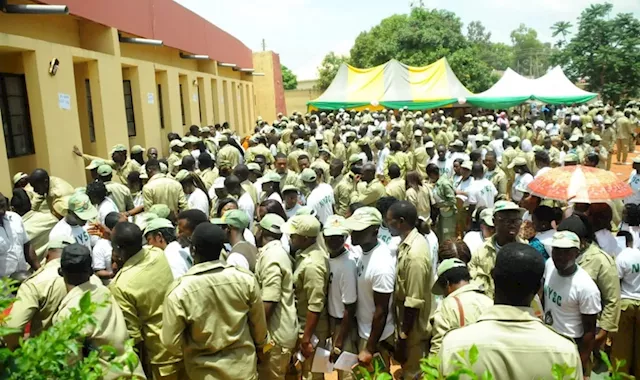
(265, 102)
(91, 51)
(296, 100)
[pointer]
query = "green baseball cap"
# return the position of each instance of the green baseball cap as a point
(118, 148)
(505, 206)
(176, 142)
(354, 158)
(571, 157)
(444, 266)
(160, 210)
(565, 239)
(308, 175)
(104, 170)
(289, 188)
(486, 217)
(363, 218)
(233, 218)
(80, 205)
(272, 223)
(304, 225)
(59, 242)
(306, 210)
(19, 176)
(137, 149)
(94, 164)
(253, 167)
(334, 226)
(518, 161)
(182, 175)
(156, 224)
(271, 177)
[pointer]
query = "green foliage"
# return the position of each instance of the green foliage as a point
(57, 352)
(289, 79)
(604, 52)
(530, 56)
(328, 69)
(561, 28)
(614, 371)
(431, 367)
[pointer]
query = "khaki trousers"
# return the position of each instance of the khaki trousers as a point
(175, 371)
(275, 364)
(625, 341)
(622, 149)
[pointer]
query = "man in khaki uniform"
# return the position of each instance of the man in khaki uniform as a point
(119, 161)
(274, 272)
(50, 192)
(420, 156)
(228, 152)
(119, 193)
(512, 343)
(322, 163)
(608, 135)
(311, 279)
(39, 296)
(139, 286)
(342, 193)
(258, 149)
(495, 174)
(208, 172)
(175, 158)
(109, 327)
(507, 218)
(412, 294)
(396, 187)
(162, 190)
(625, 130)
(463, 302)
(370, 189)
(292, 158)
(396, 156)
(219, 343)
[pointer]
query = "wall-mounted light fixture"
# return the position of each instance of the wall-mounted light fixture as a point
(223, 64)
(195, 82)
(33, 9)
(247, 70)
(140, 41)
(257, 74)
(53, 66)
(194, 56)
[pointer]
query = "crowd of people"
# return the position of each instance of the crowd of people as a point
(394, 232)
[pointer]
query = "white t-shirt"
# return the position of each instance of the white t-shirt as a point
(292, 211)
(13, 237)
(342, 282)
(276, 197)
(101, 255)
(521, 180)
(634, 182)
(179, 259)
(321, 200)
(434, 246)
(542, 171)
(446, 167)
(464, 186)
(376, 273)
(473, 240)
(482, 193)
(198, 201)
(498, 148)
(245, 203)
(628, 264)
(634, 231)
(566, 299)
(106, 207)
(79, 233)
(392, 242)
(238, 260)
(546, 237)
(607, 242)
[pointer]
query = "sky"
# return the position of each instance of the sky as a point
(304, 31)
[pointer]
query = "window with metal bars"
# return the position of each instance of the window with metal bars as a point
(16, 122)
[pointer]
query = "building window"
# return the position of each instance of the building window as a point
(92, 128)
(160, 107)
(184, 121)
(128, 108)
(16, 123)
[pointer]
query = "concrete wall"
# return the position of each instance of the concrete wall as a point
(269, 92)
(87, 50)
(297, 99)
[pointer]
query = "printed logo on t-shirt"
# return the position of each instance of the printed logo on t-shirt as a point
(330, 277)
(635, 268)
(553, 296)
(548, 318)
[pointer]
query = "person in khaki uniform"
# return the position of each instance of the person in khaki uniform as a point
(258, 149)
(396, 156)
(495, 174)
(343, 190)
(175, 158)
(322, 163)
(162, 190)
(227, 152)
(139, 286)
(463, 302)
(370, 189)
(311, 280)
(512, 343)
(624, 131)
(39, 296)
(507, 218)
(608, 135)
(218, 343)
(274, 272)
(292, 157)
(420, 155)
(119, 161)
(396, 186)
(109, 328)
(119, 193)
(208, 172)
(50, 193)
(412, 293)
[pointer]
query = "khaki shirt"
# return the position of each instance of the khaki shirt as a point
(441, 138)
(512, 344)
(342, 194)
(420, 198)
(259, 149)
(38, 225)
(368, 193)
(608, 138)
(352, 148)
(250, 188)
(163, 190)
(340, 152)
(413, 283)
(335, 181)
(292, 159)
(482, 262)
(282, 147)
(624, 128)
(396, 188)
(421, 161)
(554, 154)
(120, 173)
(217, 342)
(54, 200)
(139, 288)
(397, 158)
(310, 284)
(109, 329)
(230, 154)
(274, 272)
(447, 316)
(499, 180)
(602, 270)
(509, 155)
(121, 195)
(208, 176)
(322, 165)
(172, 162)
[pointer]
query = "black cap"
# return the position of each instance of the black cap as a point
(76, 258)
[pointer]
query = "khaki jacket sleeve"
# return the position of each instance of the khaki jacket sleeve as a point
(479, 276)
(609, 285)
(24, 308)
(366, 195)
(89, 158)
(272, 282)
(502, 185)
(147, 198)
(182, 201)
(129, 312)
(173, 326)
(418, 274)
(128, 201)
(440, 323)
(314, 286)
(257, 318)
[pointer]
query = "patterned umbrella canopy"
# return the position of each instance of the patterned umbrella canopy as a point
(579, 184)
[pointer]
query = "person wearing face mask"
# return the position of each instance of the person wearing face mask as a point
(463, 303)
(274, 272)
(571, 298)
(311, 279)
(507, 218)
(160, 233)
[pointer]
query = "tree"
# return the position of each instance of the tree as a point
(289, 79)
(531, 57)
(328, 69)
(604, 52)
(561, 28)
(477, 34)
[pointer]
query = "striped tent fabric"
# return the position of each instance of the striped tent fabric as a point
(393, 85)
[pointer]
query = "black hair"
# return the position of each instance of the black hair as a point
(128, 237)
(194, 130)
(433, 169)
(168, 234)
(354, 206)
(205, 160)
(274, 207)
(280, 156)
(632, 212)
(97, 190)
(593, 158)
(207, 241)
(152, 165)
(20, 201)
(475, 221)
(241, 171)
(188, 163)
(111, 219)
(193, 217)
(542, 156)
(544, 213)
(579, 225)
(223, 203)
(394, 171)
(231, 182)
(454, 276)
(134, 177)
(405, 210)
(517, 273)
